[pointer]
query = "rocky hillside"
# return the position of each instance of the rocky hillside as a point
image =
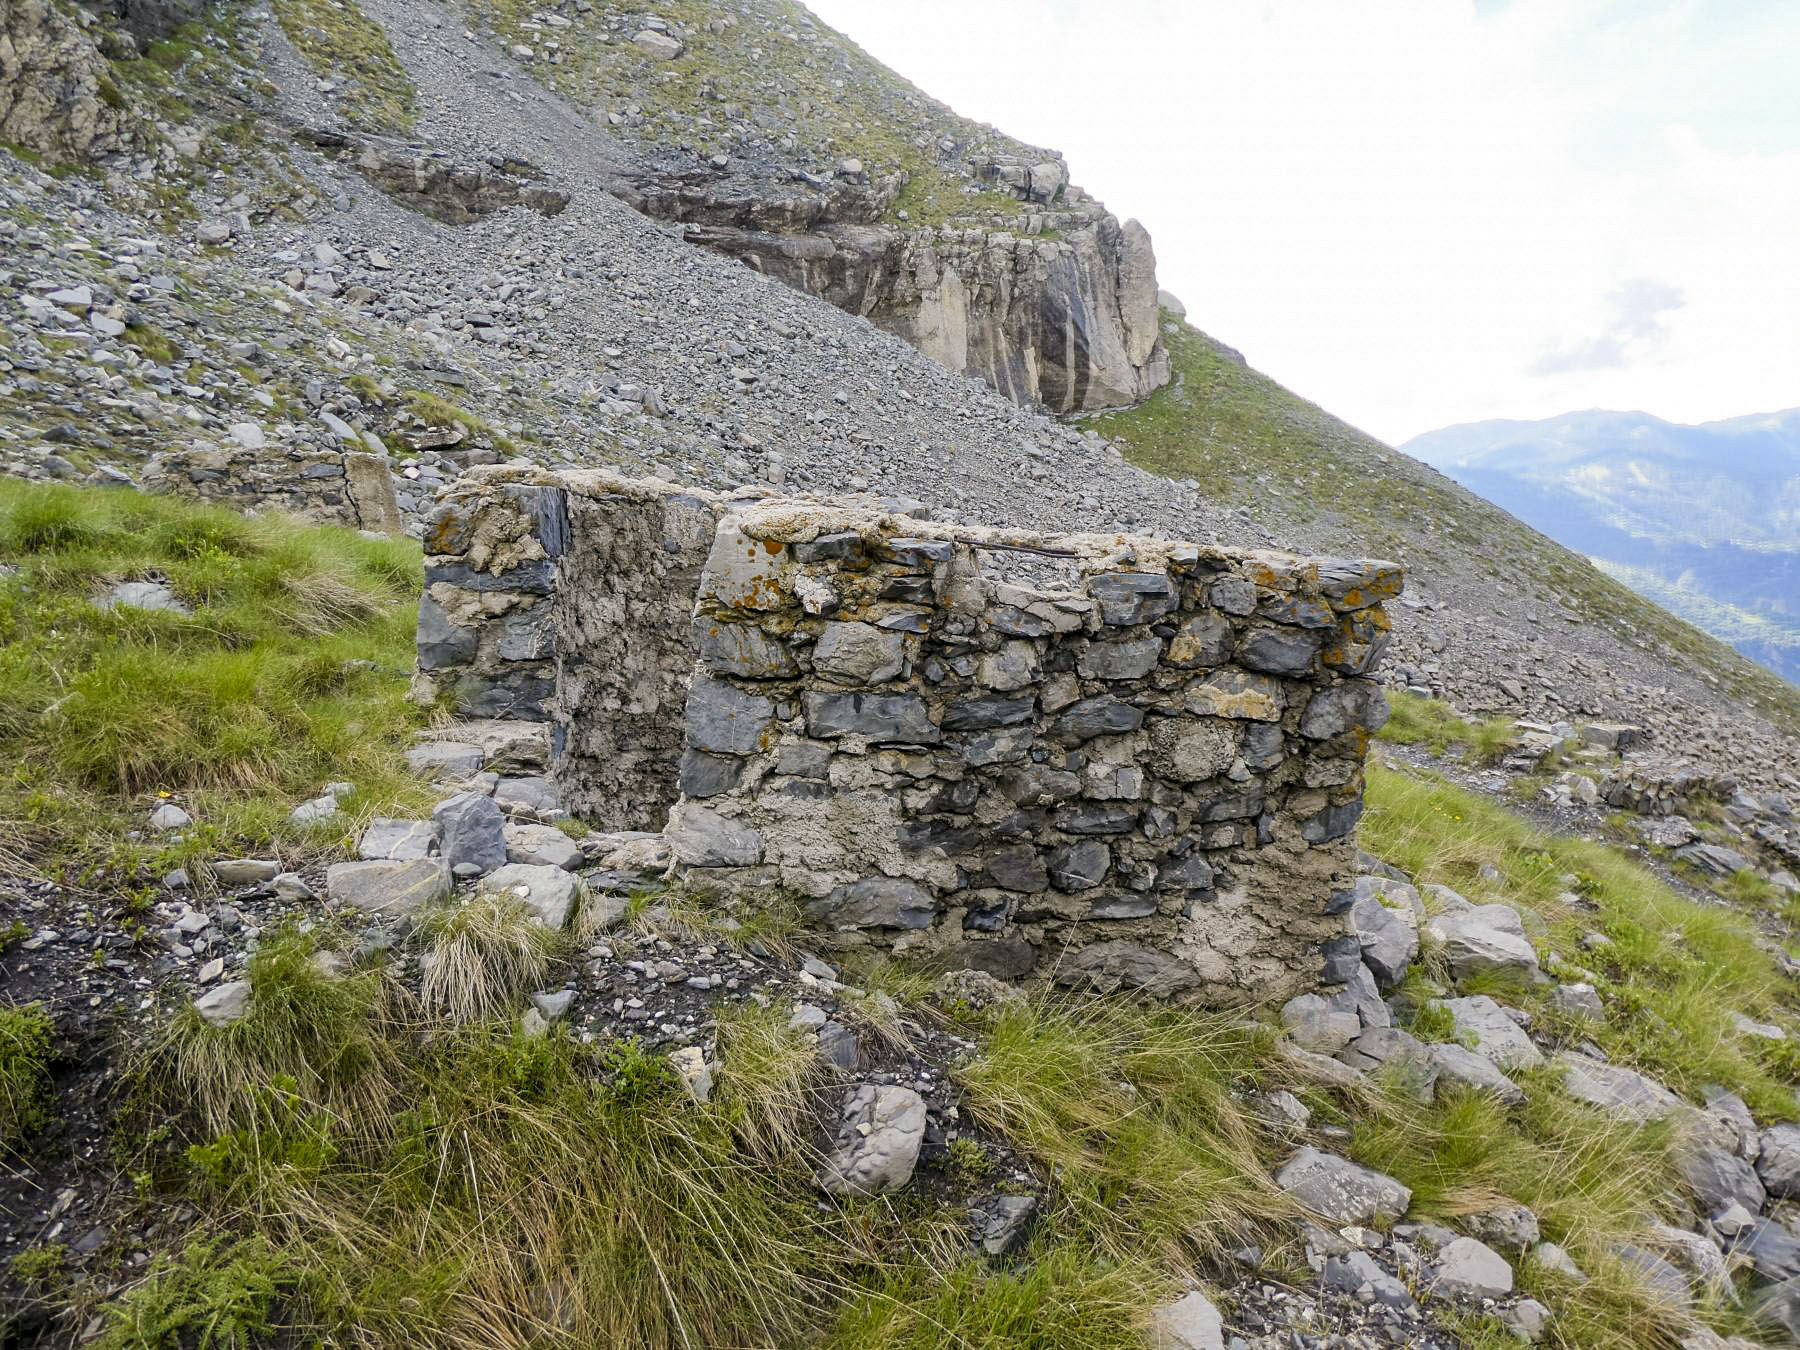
(324, 256)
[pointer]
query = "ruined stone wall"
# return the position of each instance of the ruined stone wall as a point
(1145, 778)
(337, 487)
(1141, 770)
(568, 599)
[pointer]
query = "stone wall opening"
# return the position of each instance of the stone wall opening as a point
(1140, 770)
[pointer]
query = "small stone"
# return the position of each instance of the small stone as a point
(227, 1003)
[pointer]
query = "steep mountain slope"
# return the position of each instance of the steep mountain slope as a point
(1704, 519)
(375, 278)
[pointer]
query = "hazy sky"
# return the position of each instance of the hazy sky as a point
(1418, 212)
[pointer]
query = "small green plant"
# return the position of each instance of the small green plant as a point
(42, 1269)
(25, 1034)
(217, 1294)
(968, 1159)
(440, 412)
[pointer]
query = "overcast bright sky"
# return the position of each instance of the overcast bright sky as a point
(1419, 212)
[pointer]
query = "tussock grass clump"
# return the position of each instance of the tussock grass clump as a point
(1062, 1297)
(482, 956)
(289, 670)
(441, 412)
(770, 1083)
(1593, 1181)
(311, 1037)
(25, 1032)
(1132, 1110)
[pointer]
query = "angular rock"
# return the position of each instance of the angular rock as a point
(389, 838)
(1467, 1268)
(1718, 1178)
(1191, 1322)
(1484, 938)
(445, 759)
(1341, 1191)
(548, 892)
(879, 1133)
(878, 902)
(1464, 1068)
(701, 837)
(1389, 938)
(544, 845)
(388, 888)
(471, 831)
(224, 1004)
(1778, 1166)
(1612, 1087)
(1495, 1033)
(1316, 1026)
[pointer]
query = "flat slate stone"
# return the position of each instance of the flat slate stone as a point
(1341, 1191)
(387, 887)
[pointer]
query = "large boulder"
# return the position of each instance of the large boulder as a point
(1779, 1162)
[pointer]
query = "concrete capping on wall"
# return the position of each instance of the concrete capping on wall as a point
(1143, 773)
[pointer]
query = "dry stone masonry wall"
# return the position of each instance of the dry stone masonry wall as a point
(1140, 770)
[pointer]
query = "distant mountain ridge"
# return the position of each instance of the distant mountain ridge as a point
(1703, 519)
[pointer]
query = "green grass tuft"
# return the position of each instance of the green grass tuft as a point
(25, 1032)
(484, 954)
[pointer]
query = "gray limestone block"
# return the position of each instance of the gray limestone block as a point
(879, 1133)
(990, 711)
(701, 837)
(1353, 705)
(527, 635)
(1191, 749)
(386, 837)
(1468, 1268)
(1091, 717)
(471, 830)
(1612, 1087)
(1132, 597)
(532, 578)
(445, 759)
(1127, 660)
(1495, 1033)
(1082, 865)
(725, 720)
(1279, 651)
(1340, 1190)
(1718, 1178)
(1191, 1322)
(1109, 966)
(1014, 867)
(442, 644)
(548, 892)
(387, 887)
(859, 653)
(1201, 642)
(1458, 1065)
(877, 902)
(880, 717)
(741, 649)
(704, 775)
(543, 845)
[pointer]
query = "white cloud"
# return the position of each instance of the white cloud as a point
(1405, 208)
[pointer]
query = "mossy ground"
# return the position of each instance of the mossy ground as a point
(25, 1033)
(289, 671)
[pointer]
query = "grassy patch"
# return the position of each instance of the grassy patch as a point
(440, 412)
(342, 43)
(1133, 1111)
(1674, 971)
(288, 671)
(25, 1032)
(1594, 1182)
(1436, 725)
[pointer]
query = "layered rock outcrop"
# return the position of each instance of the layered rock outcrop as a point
(56, 97)
(1061, 313)
(1130, 763)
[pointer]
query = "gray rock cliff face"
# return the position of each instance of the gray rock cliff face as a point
(1066, 321)
(55, 95)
